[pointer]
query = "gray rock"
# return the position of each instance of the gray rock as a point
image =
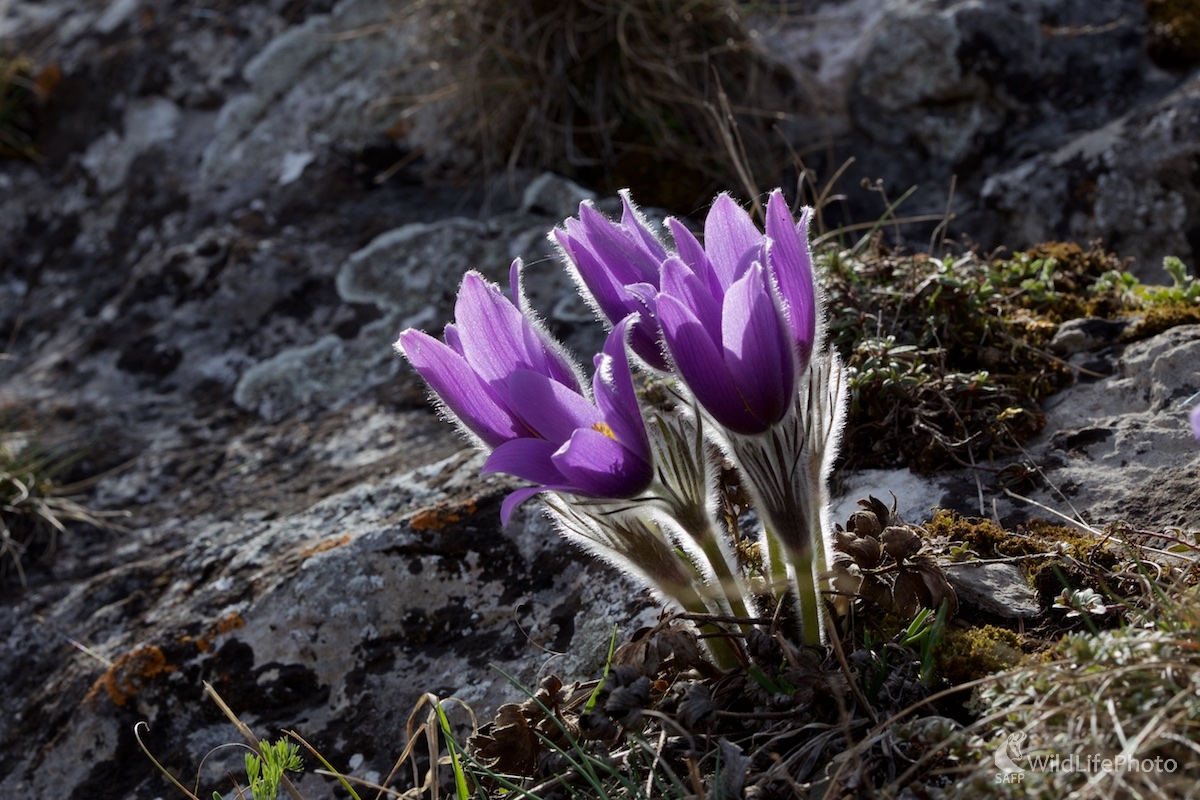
(146, 124)
(1135, 176)
(1039, 117)
(994, 588)
(336, 618)
(313, 85)
(551, 195)
(1086, 334)
(1121, 448)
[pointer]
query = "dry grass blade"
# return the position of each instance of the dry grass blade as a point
(1126, 694)
(34, 507)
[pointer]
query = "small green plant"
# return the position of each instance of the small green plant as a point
(925, 633)
(1080, 602)
(948, 357)
(264, 772)
(1134, 294)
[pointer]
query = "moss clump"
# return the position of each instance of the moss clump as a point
(984, 537)
(953, 365)
(1162, 318)
(947, 358)
(1078, 544)
(971, 653)
(1080, 560)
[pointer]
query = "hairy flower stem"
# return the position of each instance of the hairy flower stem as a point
(718, 642)
(685, 487)
(788, 498)
(636, 543)
(702, 530)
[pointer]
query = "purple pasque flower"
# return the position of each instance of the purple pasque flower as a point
(738, 315)
(1196, 422)
(617, 264)
(592, 449)
(470, 371)
(510, 384)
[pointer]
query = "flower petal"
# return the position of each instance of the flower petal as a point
(515, 499)
(701, 365)
(634, 221)
(790, 263)
(451, 338)
(497, 338)
(468, 397)
(694, 256)
(607, 293)
(621, 251)
(548, 407)
(1196, 422)
(757, 351)
(597, 465)
(728, 234)
(681, 283)
(530, 459)
(616, 398)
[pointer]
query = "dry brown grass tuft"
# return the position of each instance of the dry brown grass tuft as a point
(34, 505)
(672, 98)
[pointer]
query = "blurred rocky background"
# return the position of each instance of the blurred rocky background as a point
(215, 217)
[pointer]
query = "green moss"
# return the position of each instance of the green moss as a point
(947, 358)
(1162, 318)
(1078, 544)
(970, 653)
(1082, 559)
(953, 365)
(983, 536)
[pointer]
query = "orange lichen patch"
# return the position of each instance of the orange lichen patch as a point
(227, 623)
(325, 544)
(441, 515)
(48, 79)
(131, 673)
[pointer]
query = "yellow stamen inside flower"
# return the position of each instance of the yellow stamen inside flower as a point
(603, 428)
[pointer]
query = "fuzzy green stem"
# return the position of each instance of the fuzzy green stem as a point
(805, 582)
(698, 524)
(812, 630)
(726, 579)
(718, 645)
(778, 466)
